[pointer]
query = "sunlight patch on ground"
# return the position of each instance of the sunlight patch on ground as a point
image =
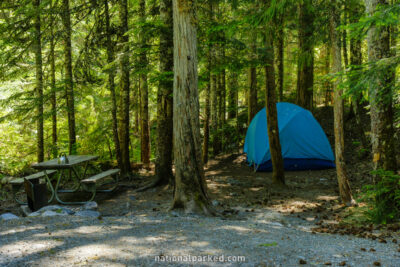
(255, 189)
(199, 244)
(327, 198)
(19, 248)
(19, 230)
(87, 229)
(235, 228)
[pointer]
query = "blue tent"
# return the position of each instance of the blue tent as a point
(304, 143)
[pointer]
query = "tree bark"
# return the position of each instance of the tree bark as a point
(124, 88)
(278, 174)
(232, 95)
(190, 186)
(327, 82)
(214, 87)
(164, 96)
(344, 38)
(69, 83)
(37, 46)
(381, 95)
(280, 42)
(111, 86)
(206, 126)
(305, 75)
(144, 91)
(342, 176)
(252, 80)
(53, 89)
(355, 13)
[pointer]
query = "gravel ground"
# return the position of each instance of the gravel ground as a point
(263, 237)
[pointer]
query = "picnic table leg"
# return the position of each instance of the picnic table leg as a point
(56, 191)
(115, 183)
(73, 190)
(86, 167)
(50, 185)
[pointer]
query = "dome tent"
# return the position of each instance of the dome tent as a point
(303, 142)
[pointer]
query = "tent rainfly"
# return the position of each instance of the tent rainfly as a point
(304, 143)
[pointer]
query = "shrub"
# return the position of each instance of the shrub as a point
(383, 197)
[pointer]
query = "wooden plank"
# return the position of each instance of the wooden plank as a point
(97, 177)
(32, 176)
(40, 174)
(17, 181)
(73, 160)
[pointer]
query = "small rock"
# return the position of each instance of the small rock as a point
(363, 249)
(343, 263)
(8, 216)
(327, 263)
(50, 213)
(301, 261)
(174, 214)
(26, 210)
(91, 205)
(55, 208)
(87, 213)
(372, 250)
(377, 263)
(215, 202)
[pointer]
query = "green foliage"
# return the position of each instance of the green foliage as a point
(383, 197)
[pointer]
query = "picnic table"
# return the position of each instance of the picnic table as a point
(79, 178)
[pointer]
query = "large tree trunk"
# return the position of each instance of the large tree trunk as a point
(252, 80)
(214, 87)
(221, 101)
(190, 186)
(111, 86)
(344, 38)
(53, 90)
(37, 46)
(355, 62)
(280, 56)
(164, 97)
(380, 94)
(124, 88)
(69, 84)
(278, 175)
(232, 94)
(223, 89)
(206, 126)
(305, 74)
(144, 91)
(327, 82)
(342, 176)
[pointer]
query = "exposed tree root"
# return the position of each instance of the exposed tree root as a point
(156, 183)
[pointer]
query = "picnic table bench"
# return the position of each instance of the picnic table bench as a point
(92, 183)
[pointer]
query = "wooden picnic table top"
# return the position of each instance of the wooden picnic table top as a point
(73, 161)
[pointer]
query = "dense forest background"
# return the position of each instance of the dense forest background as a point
(96, 76)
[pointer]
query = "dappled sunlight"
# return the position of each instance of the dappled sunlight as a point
(199, 243)
(327, 197)
(20, 229)
(236, 228)
(20, 249)
(95, 251)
